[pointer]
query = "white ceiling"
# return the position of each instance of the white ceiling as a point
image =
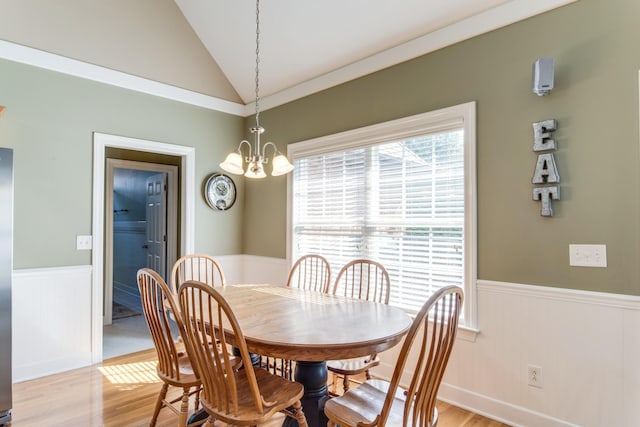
(316, 44)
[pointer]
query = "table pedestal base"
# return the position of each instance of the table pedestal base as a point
(313, 376)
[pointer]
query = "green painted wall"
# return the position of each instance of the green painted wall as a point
(595, 44)
(50, 118)
(49, 121)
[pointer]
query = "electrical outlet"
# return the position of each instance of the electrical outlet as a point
(534, 376)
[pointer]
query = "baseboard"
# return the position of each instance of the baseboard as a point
(25, 372)
(509, 414)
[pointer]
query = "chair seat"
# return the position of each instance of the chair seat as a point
(273, 388)
(363, 404)
(187, 377)
(429, 342)
(352, 366)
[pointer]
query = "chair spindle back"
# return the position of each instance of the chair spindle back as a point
(206, 316)
(310, 272)
(198, 267)
(363, 279)
(430, 340)
(160, 310)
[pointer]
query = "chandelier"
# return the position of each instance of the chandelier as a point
(257, 155)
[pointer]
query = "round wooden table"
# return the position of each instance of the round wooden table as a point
(311, 328)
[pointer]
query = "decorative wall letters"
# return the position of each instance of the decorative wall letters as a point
(546, 171)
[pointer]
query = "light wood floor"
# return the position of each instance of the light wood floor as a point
(122, 391)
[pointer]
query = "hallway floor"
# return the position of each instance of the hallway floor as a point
(129, 334)
(125, 336)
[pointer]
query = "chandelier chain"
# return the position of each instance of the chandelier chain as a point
(257, 63)
(234, 162)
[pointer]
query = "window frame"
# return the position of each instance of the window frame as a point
(455, 117)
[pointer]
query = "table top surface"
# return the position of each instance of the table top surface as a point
(305, 325)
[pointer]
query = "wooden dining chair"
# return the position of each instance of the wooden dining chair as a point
(246, 396)
(204, 269)
(425, 354)
(174, 367)
(310, 272)
(366, 280)
(198, 267)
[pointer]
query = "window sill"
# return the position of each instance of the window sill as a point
(467, 334)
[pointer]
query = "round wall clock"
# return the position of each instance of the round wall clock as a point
(220, 192)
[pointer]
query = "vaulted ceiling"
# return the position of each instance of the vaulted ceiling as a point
(320, 43)
(204, 51)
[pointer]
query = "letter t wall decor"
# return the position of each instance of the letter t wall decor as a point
(546, 171)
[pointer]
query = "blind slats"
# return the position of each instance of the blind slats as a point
(400, 203)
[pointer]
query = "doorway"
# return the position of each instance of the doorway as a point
(185, 223)
(141, 216)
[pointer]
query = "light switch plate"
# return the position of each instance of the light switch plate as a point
(84, 243)
(588, 255)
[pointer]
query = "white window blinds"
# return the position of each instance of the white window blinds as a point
(401, 192)
(401, 203)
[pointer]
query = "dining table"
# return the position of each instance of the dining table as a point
(311, 328)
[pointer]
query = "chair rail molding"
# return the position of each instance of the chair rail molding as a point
(630, 302)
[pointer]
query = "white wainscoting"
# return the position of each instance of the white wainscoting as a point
(587, 344)
(253, 269)
(51, 317)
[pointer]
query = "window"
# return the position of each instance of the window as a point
(401, 193)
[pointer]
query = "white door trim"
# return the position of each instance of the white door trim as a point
(100, 142)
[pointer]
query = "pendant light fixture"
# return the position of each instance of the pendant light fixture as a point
(257, 154)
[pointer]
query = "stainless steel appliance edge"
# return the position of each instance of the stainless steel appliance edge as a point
(6, 267)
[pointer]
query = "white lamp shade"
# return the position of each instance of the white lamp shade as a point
(281, 165)
(255, 170)
(233, 163)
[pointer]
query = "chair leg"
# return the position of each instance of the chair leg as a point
(184, 408)
(334, 384)
(197, 398)
(367, 374)
(300, 418)
(156, 411)
(331, 424)
(345, 382)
